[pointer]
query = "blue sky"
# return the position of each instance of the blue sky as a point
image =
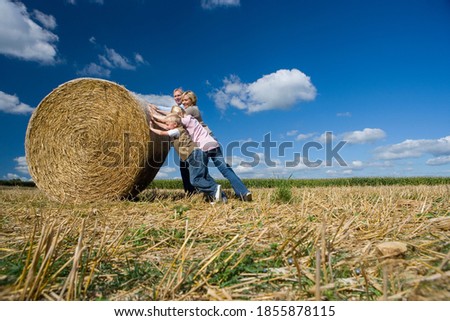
(375, 74)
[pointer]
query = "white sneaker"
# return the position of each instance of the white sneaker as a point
(218, 194)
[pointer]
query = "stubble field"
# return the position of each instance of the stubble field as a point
(290, 243)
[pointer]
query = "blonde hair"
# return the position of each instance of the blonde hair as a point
(173, 118)
(190, 94)
(178, 110)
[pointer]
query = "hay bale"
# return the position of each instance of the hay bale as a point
(89, 140)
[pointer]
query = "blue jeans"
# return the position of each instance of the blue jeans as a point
(184, 171)
(198, 173)
(217, 157)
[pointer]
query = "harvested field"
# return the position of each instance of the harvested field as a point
(322, 243)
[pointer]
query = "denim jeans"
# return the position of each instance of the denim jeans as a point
(227, 172)
(198, 173)
(184, 171)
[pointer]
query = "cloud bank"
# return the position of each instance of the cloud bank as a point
(410, 148)
(365, 136)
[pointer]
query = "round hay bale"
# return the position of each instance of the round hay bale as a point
(89, 140)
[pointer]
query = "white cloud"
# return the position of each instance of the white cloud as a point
(22, 165)
(108, 61)
(94, 69)
(255, 166)
(323, 138)
(364, 136)
(415, 148)
(240, 169)
(235, 161)
(279, 90)
(441, 160)
(298, 136)
(115, 60)
(164, 172)
(11, 104)
(139, 59)
(346, 114)
(212, 4)
(340, 173)
(22, 38)
(105, 62)
(304, 136)
(158, 100)
(356, 164)
(48, 21)
(292, 132)
(332, 172)
(74, 2)
(383, 164)
(11, 176)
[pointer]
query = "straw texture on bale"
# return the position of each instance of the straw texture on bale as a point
(89, 140)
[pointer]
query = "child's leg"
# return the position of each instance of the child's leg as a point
(184, 171)
(198, 172)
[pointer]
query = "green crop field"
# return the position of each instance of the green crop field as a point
(354, 181)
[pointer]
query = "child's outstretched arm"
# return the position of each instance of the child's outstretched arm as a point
(158, 117)
(173, 133)
(160, 124)
(158, 131)
(160, 109)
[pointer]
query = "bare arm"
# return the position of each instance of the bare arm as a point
(161, 124)
(159, 132)
(159, 110)
(171, 132)
(158, 117)
(155, 110)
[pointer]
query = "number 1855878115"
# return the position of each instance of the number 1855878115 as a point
(296, 311)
